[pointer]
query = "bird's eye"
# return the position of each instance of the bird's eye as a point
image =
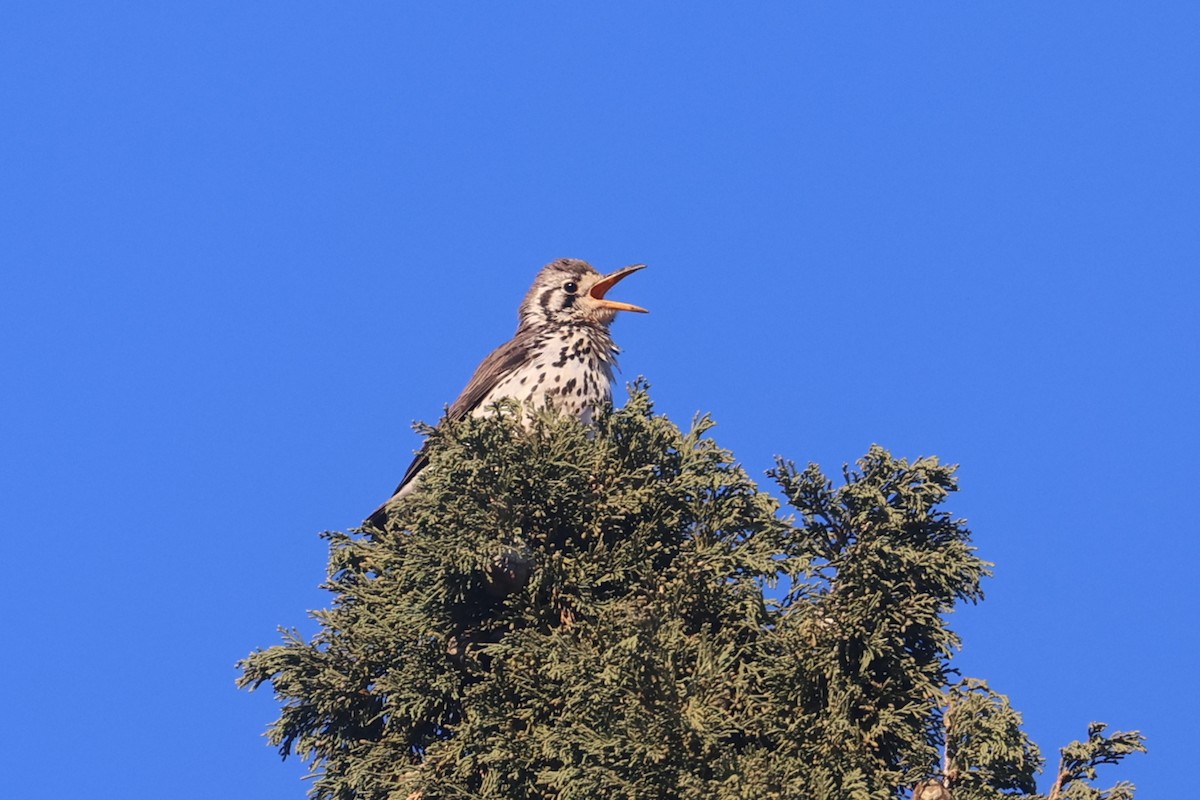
(570, 287)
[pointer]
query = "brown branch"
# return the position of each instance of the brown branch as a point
(1059, 782)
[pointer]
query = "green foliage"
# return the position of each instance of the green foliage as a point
(875, 564)
(571, 612)
(987, 754)
(1078, 762)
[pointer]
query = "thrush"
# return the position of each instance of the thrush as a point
(561, 354)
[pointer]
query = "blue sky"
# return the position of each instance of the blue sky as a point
(245, 245)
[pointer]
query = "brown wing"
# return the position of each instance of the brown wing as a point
(498, 365)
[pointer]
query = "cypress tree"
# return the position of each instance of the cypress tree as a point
(619, 611)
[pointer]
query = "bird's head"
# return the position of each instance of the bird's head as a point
(569, 290)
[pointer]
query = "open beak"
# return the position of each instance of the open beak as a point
(601, 288)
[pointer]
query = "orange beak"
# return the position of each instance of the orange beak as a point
(601, 288)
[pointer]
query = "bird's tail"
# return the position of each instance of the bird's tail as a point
(379, 516)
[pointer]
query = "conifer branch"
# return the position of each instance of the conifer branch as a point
(570, 612)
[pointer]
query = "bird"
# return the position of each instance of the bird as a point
(562, 353)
